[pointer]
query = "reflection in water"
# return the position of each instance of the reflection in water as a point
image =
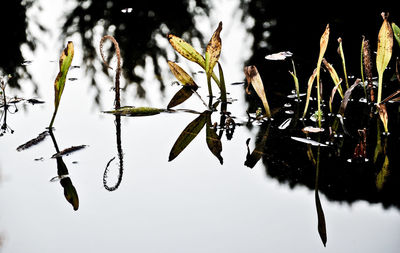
(193, 129)
(120, 159)
(15, 34)
(70, 192)
(137, 31)
(297, 29)
(320, 212)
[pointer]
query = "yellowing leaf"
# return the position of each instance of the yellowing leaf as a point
(253, 77)
(186, 50)
(384, 52)
(334, 76)
(341, 53)
(323, 44)
(65, 62)
(213, 51)
(383, 115)
(310, 83)
(181, 75)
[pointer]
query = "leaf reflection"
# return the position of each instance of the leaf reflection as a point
(255, 156)
(70, 192)
(187, 135)
(120, 158)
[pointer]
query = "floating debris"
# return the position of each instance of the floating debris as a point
(279, 56)
(308, 141)
(310, 129)
(34, 141)
(72, 79)
(285, 124)
(238, 83)
(26, 63)
(127, 10)
(58, 178)
(68, 151)
(34, 101)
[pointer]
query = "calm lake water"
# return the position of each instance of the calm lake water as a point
(191, 204)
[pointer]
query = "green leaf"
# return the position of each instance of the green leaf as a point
(396, 32)
(187, 135)
(65, 62)
(136, 111)
(384, 52)
(213, 141)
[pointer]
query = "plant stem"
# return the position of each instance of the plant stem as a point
(53, 118)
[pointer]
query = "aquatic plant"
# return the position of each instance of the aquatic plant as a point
(212, 54)
(59, 84)
(384, 51)
(254, 78)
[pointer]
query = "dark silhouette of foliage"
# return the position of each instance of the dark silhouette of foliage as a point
(135, 25)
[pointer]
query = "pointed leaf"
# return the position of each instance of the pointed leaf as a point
(323, 44)
(321, 219)
(213, 51)
(346, 97)
(136, 111)
(334, 76)
(396, 32)
(187, 135)
(68, 151)
(64, 62)
(383, 116)
(70, 192)
(34, 141)
(384, 51)
(181, 75)
(341, 53)
(186, 50)
(381, 177)
(181, 96)
(258, 152)
(213, 141)
(310, 83)
(253, 77)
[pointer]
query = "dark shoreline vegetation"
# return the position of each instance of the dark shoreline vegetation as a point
(338, 138)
